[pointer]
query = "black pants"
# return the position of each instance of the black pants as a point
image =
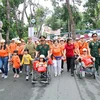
(70, 64)
(62, 64)
(21, 67)
(15, 70)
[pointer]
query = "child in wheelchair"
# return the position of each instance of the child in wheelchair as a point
(40, 69)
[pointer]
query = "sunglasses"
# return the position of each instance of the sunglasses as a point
(42, 40)
(84, 51)
(94, 36)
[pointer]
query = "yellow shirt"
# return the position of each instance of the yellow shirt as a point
(26, 59)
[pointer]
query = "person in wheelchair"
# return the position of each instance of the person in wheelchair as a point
(85, 59)
(42, 66)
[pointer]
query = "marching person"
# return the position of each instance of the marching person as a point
(69, 55)
(20, 49)
(57, 56)
(15, 61)
(31, 48)
(83, 44)
(43, 48)
(4, 56)
(62, 45)
(94, 46)
(26, 61)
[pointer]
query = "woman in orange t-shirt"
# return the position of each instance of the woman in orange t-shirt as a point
(57, 55)
(4, 56)
(62, 45)
(20, 49)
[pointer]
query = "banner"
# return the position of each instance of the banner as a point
(31, 32)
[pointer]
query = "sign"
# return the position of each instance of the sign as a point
(33, 21)
(47, 30)
(31, 32)
(56, 32)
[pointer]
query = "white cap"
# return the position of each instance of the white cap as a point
(13, 39)
(42, 56)
(18, 41)
(37, 42)
(84, 49)
(77, 38)
(2, 41)
(61, 39)
(82, 36)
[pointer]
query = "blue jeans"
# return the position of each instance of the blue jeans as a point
(4, 65)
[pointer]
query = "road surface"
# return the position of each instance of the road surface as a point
(64, 87)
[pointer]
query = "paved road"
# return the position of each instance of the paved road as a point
(64, 87)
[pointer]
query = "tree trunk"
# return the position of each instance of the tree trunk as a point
(8, 19)
(24, 8)
(71, 19)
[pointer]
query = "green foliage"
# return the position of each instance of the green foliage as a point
(92, 14)
(16, 28)
(60, 17)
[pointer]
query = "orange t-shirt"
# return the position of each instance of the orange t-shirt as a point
(57, 51)
(76, 44)
(87, 60)
(82, 46)
(12, 47)
(4, 53)
(20, 49)
(41, 64)
(16, 61)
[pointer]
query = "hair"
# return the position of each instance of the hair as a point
(3, 46)
(42, 37)
(69, 39)
(15, 51)
(43, 60)
(26, 50)
(94, 34)
(55, 41)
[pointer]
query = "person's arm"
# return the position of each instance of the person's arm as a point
(8, 50)
(48, 51)
(22, 61)
(37, 51)
(30, 57)
(45, 64)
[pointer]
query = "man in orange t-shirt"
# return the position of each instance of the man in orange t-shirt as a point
(83, 44)
(76, 44)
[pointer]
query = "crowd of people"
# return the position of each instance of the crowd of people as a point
(19, 54)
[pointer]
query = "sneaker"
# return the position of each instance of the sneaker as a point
(27, 77)
(17, 76)
(72, 74)
(20, 71)
(59, 74)
(55, 75)
(62, 70)
(0, 71)
(5, 76)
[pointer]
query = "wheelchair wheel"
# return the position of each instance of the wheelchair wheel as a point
(80, 75)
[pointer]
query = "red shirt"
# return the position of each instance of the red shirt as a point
(69, 50)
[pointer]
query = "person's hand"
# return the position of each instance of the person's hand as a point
(9, 60)
(20, 64)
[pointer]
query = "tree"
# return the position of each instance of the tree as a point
(92, 14)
